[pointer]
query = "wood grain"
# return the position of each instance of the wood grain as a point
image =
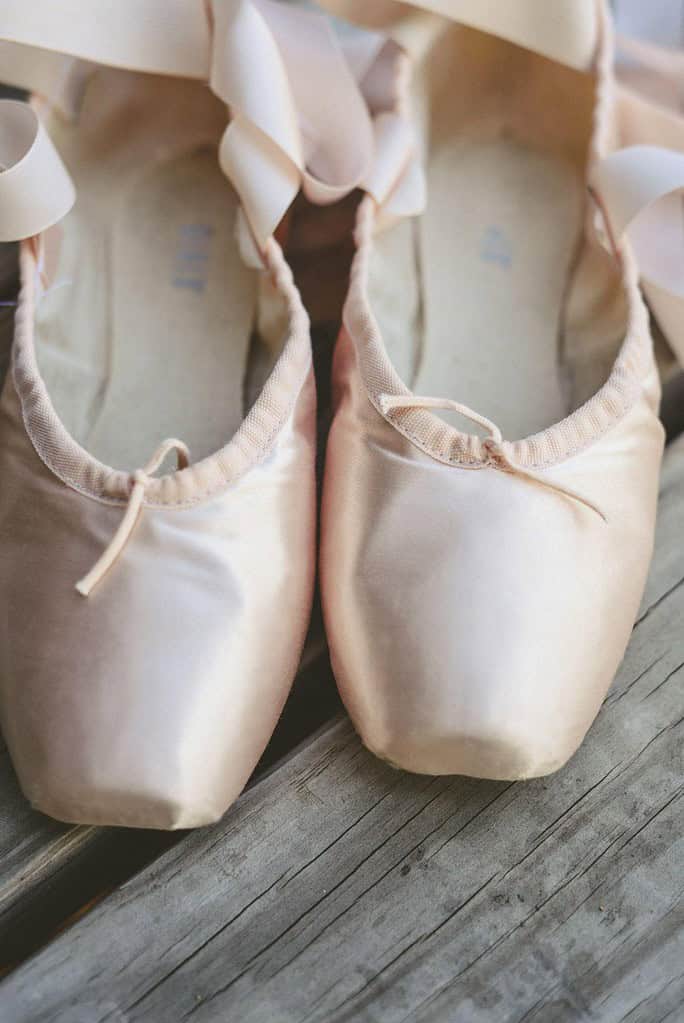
(49, 871)
(341, 890)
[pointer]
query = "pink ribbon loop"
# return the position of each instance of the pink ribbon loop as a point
(308, 110)
(35, 188)
(302, 106)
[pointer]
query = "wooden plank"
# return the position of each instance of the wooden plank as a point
(341, 890)
(48, 870)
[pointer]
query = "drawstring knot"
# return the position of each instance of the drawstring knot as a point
(140, 480)
(496, 455)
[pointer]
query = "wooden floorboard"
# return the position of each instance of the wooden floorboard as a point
(50, 871)
(341, 890)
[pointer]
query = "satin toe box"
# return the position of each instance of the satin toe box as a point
(150, 702)
(476, 619)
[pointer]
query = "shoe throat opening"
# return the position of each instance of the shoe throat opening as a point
(496, 297)
(151, 324)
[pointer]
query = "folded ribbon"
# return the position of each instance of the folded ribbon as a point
(640, 190)
(35, 188)
(308, 110)
(300, 117)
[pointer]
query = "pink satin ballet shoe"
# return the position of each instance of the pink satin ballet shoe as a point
(153, 619)
(492, 468)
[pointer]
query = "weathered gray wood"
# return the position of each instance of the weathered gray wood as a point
(341, 890)
(48, 870)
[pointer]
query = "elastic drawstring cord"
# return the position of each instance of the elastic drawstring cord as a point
(139, 482)
(493, 444)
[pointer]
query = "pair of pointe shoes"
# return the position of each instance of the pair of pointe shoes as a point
(492, 468)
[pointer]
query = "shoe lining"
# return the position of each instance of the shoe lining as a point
(496, 301)
(145, 329)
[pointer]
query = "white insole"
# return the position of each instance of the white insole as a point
(146, 331)
(497, 244)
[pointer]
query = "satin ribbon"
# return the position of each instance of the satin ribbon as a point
(640, 188)
(564, 30)
(307, 111)
(300, 116)
(35, 188)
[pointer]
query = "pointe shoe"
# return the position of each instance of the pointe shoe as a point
(492, 467)
(153, 619)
